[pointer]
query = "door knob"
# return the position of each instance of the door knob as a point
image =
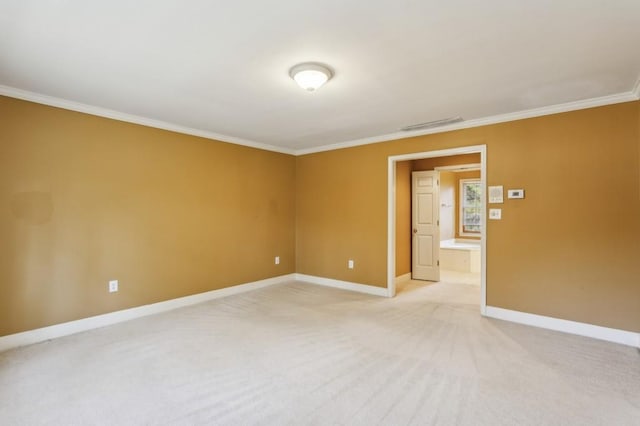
(415, 231)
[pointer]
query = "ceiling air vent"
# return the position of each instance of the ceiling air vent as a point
(432, 124)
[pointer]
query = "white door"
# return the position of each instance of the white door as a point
(425, 219)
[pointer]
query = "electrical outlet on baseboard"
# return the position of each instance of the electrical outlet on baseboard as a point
(350, 264)
(277, 260)
(113, 286)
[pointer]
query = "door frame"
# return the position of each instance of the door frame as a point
(391, 212)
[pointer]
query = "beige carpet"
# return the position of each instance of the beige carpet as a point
(299, 354)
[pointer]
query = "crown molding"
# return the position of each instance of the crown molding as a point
(25, 95)
(12, 92)
(495, 119)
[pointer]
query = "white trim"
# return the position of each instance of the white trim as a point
(403, 278)
(477, 122)
(72, 327)
(483, 235)
(636, 89)
(391, 226)
(391, 212)
(623, 337)
(344, 285)
(12, 92)
(136, 119)
(459, 168)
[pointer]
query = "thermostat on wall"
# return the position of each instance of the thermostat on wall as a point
(515, 193)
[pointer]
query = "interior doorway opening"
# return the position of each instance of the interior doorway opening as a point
(462, 224)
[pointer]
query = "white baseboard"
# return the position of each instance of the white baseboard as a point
(628, 338)
(345, 285)
(403, 278)
(59, 330)
(72, 327)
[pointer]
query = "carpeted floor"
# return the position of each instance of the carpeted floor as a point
(299, 354)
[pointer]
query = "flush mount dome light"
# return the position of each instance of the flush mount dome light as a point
(310, 76)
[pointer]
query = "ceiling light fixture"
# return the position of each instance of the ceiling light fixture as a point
(310, 75)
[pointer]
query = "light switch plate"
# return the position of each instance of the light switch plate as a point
(515, 193)
(495, 214)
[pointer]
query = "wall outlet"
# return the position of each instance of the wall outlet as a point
(277, 260)
(350, 264)
(113, 286)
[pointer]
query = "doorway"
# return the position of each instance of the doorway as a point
(391, 223)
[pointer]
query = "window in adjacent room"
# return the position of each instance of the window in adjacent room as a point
(470, 207)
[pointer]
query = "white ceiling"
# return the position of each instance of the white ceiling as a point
(220, 68)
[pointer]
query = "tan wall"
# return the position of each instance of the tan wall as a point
(341, 214)
(569, 250)
(85, 199)
(403, 218)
